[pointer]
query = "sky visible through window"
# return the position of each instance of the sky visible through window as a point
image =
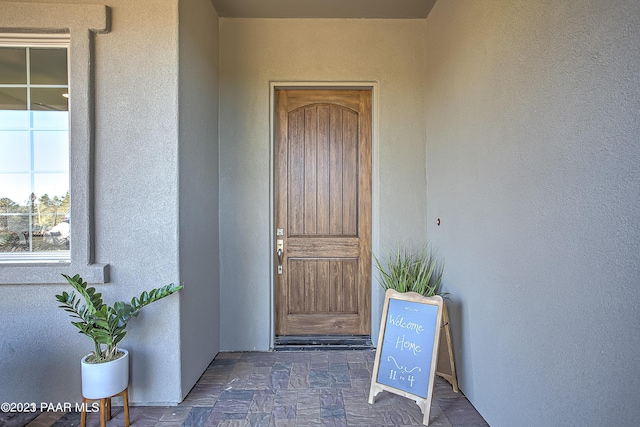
(35, 154)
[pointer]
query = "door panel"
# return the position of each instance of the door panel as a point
(323, 207)
(322, 286)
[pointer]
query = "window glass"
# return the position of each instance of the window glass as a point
(15, 191)
(14, 146)
(50, 120)
(49, 99)
(12, 98)
(48, 66)
(34, 151)
(13, 63)
(50, 150)
(12, 119)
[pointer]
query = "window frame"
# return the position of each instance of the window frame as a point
(79, 22)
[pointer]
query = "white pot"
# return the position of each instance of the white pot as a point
(100, 380)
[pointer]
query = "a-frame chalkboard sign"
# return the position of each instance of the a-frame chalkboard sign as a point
(407, 352)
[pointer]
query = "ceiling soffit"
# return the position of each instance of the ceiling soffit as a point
(374, 9)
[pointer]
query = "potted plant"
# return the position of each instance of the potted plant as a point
(105, 371)
(408, 270)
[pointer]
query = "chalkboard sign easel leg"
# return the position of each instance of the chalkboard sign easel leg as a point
(426, 411)
(373, 392)
(446, 367)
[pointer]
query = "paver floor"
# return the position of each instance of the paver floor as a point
(299, 388)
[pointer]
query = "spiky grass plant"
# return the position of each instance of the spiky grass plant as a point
(406, 270)
(104, 325)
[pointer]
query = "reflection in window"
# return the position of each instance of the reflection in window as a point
(34, 149)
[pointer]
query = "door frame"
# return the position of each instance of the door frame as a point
(377, 296)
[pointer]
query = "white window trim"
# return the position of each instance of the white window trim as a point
(79, 23)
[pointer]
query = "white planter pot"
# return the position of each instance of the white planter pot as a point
(100, 380)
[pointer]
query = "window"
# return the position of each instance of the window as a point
(34, 142)
(39, 27)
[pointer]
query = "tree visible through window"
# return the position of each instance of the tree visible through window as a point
(34, 150)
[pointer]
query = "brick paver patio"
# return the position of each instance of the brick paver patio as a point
(298, 388)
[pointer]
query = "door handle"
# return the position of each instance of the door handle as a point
(280, 253)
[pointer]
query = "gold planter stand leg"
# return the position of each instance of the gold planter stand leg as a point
(105, 409)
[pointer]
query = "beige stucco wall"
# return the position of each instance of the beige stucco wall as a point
(255, 52)
(532, 142)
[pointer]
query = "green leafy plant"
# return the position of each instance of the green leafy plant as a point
(406, 270)
(105, 325)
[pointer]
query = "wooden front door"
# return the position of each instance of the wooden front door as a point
(323, 212)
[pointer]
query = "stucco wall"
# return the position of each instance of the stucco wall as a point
(198, 164)
(254, 52)
(137, 169)
(136, 221)
(533, 154)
